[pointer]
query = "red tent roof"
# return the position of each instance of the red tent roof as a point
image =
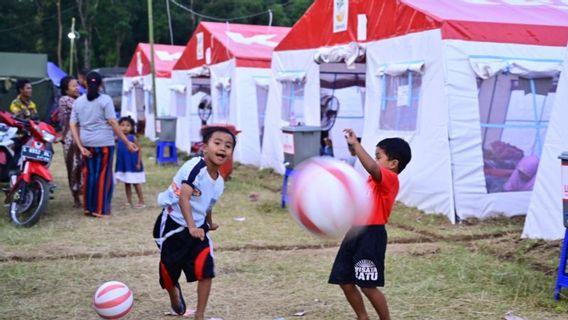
(506, 21)
(165, 57)
(250, 45)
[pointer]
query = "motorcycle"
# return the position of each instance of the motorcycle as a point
(25, 156)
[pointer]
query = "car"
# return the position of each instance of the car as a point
(113, 87)
(112, 84)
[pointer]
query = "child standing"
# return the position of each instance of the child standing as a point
(181, 229)
(360, 260)
(129, 168)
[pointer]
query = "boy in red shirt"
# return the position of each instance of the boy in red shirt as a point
(360, 260)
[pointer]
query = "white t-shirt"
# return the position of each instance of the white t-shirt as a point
(206, 191)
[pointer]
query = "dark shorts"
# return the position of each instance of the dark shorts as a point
(361, 258)
(180, 251)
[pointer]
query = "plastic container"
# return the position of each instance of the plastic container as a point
(300, 143)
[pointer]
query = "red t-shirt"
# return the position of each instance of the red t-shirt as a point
(383, 194)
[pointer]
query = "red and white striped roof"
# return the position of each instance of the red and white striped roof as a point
(165, 57)
(250, 45)
(536, 22)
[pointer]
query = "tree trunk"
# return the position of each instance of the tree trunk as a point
(59, 34)
(86, 23)
(118, 46)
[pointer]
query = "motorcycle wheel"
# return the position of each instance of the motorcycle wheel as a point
(26, 211)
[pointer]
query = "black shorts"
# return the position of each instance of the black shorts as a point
(180, 251)
(361, 258)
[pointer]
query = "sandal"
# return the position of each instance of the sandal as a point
(180, 310)
(139, 206)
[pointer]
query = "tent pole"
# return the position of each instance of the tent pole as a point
(152, 66)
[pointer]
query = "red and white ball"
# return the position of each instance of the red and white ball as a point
(113, 300)
(328, 196)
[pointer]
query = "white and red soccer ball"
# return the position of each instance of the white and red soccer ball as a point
(113, 300)
(328, 196)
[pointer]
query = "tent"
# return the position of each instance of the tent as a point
(55, 73)
(137, 84)
(468, 83)
(544, 216)
(222, 77)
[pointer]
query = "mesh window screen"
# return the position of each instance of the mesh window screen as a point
(400, 100)
(514, 114)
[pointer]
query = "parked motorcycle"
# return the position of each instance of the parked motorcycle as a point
(25, 156)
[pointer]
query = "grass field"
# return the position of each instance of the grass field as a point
(267, 266)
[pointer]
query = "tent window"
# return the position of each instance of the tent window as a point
(293, 102)
(137, 99)
(148, 104)
(261, 102)
(201, 100)
(179, 98)
(400, 99)
(514, 114)
(224, 103)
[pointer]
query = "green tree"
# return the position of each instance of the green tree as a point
(111, 29)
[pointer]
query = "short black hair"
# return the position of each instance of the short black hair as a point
(129, 120)
(20, 84)
(64, 84)
(83, 72)
(209, 131)
(396, 149)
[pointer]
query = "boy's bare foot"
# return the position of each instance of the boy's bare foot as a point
(199, 316)
(176, 300)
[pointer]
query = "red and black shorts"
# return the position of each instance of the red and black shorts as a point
(180, 251)
(361, 258)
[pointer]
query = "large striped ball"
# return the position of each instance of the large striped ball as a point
(328, 196)
(113, 300)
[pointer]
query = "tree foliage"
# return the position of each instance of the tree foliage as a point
(110, 29)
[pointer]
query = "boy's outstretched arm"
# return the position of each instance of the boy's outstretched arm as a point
(367, 161)
(184, 197)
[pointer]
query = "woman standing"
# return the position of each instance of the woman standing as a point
(94, 114)
(71, 153)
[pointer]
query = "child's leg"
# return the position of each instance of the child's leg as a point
(138, 188)
(203, 289)
(355, 299)
(128, 190)
(379, 302)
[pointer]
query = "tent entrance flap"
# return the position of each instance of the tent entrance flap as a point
(342, 102)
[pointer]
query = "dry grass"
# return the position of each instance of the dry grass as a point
(268, 267)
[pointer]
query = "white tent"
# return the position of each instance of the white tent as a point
(544, 217)
(469, 84)
(137, 84)
(222, 78)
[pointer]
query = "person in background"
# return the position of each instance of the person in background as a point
(524, 175)
(23, 106)
(327, 147)
(129, 167)
(82, 78)
(93, 125)
(69, 92)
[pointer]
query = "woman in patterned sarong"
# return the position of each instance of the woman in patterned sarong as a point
(94, 126)
(71, 153)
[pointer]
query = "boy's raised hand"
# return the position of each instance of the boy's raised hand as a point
(350, 136)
